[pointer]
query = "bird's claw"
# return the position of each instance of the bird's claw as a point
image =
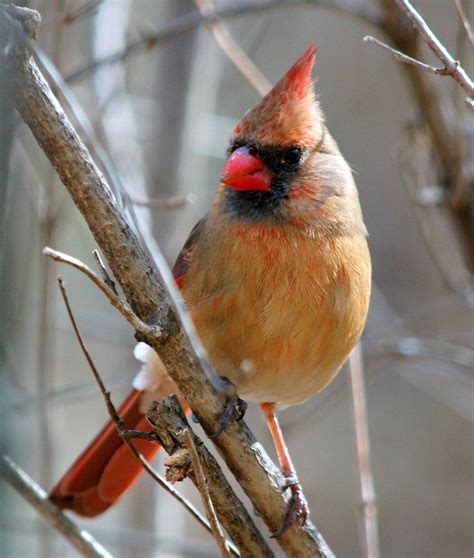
(234, 410)
(299, 508)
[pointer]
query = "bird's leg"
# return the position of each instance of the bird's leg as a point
(299, 506)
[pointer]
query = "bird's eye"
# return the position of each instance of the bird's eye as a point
(292, 156)
(253, 151)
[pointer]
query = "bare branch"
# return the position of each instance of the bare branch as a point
(189, 22)
(80, 539)
(205, 496)
(173, 202)
(405, 58)
(89, 8)
(114, 299)
(105, 274)
(453, 68)
(125, 434)
(170, 424)
(430, 348)
(465, 22)
(233, 51)
(369, 524)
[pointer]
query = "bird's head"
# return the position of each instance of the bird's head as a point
(283, 164)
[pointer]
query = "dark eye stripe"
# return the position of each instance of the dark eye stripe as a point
(280, 160)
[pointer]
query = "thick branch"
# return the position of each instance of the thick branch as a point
(170, 425)
(80, 539)
(139, 281)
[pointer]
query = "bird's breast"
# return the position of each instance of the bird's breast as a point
(278, 312)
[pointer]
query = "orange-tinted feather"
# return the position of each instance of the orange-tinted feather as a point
(106, 469)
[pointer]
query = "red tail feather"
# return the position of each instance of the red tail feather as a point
(107, 468)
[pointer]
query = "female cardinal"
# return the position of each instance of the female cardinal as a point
(276, 278)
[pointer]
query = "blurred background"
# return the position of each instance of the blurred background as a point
(157, 119)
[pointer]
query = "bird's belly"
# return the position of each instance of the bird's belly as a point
(282, 347)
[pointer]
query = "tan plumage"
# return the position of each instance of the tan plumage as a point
(276, 278)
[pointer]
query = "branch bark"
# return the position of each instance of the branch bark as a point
(80, 539)
(131, 267)
(171, 426)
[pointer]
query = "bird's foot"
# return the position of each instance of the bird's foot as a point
(299, 508)
(234, 408)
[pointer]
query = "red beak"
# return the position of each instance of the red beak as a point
(245, 172)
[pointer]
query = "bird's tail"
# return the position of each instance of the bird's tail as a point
(106, 469)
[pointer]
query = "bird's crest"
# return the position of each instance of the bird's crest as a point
(289, 113)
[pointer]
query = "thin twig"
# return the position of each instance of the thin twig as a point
(89, 8)
(205, 496)
(189, 22)
(369, 524)
(453, 68)
(465, 22)
(105, 274)
(173, 202)
(405, 58)
(114, 299)
(233, 51)
(439, 349)
(118, 421)
(80, 539)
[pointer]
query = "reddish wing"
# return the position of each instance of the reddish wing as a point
(107, 469)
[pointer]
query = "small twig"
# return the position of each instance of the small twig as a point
(173, 202)
(105, 274)
(124, 434)
(189, 22)
(87, 9)
(369, 524)
(405, 58)
(80, 539)
(116, 301)
(465, 22)
(233, 51)
(453, 68)
(430, 348)
(169, 422)
(205, 496)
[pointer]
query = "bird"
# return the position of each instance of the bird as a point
(277, 280)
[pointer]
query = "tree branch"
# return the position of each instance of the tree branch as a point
(139, 326)
(232, 50)
(465, 22)
(80, 539)
(170, 425)
(407, 59)
(146, 296)
(205, 496)
(126, 435)
(189, 22)
(369, 524)
(453, 68)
